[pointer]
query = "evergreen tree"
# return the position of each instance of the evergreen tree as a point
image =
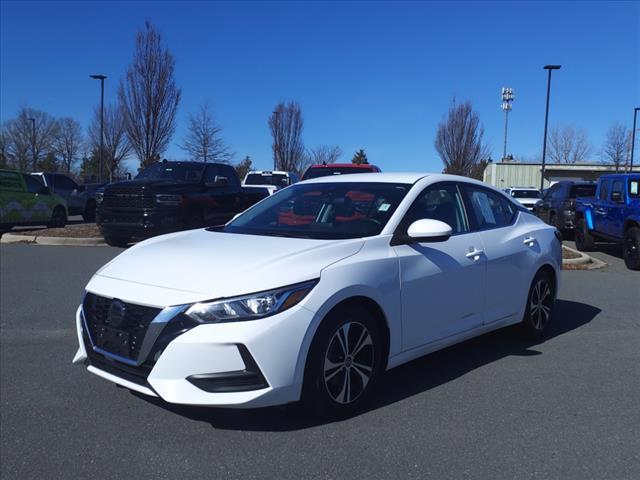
(244, 167)
(360, 158)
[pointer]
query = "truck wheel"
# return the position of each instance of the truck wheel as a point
(631, 248)
(89, 214)
(122, 242)
(584, 239)
(58, 218)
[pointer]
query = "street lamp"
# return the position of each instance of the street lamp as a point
(507, 99)
(275, 140)
(633, 136)
(101, 78)
(33, 142)
(546, 122)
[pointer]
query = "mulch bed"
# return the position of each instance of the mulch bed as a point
(82, 230)
(567, 254)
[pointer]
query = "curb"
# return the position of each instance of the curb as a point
(77, 242)
(589, 262)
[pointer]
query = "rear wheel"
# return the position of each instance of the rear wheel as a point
(540, 303)
(631, 248)
(117, 241)
(58, 218)
(584, 239)
(344, 363)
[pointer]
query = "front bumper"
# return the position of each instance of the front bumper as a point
(188, 369)
(139, 223)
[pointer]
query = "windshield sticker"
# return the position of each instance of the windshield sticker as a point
(384, 207)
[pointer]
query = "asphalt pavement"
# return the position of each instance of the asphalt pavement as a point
(493, 407)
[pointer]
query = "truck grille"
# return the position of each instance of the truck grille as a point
(117, 327)
(128, 197)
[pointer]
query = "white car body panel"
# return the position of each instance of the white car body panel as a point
(431, 295)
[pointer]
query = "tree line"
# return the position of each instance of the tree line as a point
(142, 122)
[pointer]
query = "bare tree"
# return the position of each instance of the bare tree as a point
(616, 145)
(203, 142)
(68, 142)
(30, 141)
(286, 125)
(116, 143)
(459, 140)
(149, 96)
(324, 154)
(568, 144)
(5, 141)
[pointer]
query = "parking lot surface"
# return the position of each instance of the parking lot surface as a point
(493, 407)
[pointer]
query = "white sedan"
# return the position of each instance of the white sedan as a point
(317, 290)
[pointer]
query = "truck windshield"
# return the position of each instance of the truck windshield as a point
(582, 191)
(276, 179)
(328, 171)
(323, 211)
(525, 194)
(180, 171)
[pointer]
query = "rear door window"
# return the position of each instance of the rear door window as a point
(617, 187)
(11, 181)
(604, 190)
(488, 209)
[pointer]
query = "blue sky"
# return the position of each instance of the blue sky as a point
(372, 75)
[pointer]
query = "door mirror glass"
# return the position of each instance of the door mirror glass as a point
(429, 230)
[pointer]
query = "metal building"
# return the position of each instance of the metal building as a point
(515, 174)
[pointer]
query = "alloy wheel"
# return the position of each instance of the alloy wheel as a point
(540, 304)
(349, 362)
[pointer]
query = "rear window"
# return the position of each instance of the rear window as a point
(525, 194)
(277, 180)
(10, 181)
(582, 191)
(328, 171)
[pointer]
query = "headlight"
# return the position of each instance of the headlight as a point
(250, 307)
(166, 199)
(99, 197)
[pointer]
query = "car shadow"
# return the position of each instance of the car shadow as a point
(399, 383)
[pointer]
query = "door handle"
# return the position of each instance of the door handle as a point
(529, 241)
(474, 254)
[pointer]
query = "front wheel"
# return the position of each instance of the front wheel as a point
(584, 239)
(540, 303)
(344, 363)
(631, 248)
(58, 218)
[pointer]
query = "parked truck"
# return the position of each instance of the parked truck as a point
(171, 196)
(612, 215)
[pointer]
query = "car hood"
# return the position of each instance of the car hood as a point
(216, 264)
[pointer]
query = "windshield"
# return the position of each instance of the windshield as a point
(323, 211)
(182, 171)
(328, 171)
(525, 194)
(582, 191)
(278, 180)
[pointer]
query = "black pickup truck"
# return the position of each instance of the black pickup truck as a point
(171, 196)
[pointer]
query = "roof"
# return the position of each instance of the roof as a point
(370, 177)
(367, 166)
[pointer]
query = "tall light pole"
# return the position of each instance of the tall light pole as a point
(546, 122)
(633, 136)
(507, 99)
(276, 142)
(101, 78)
(33, 142)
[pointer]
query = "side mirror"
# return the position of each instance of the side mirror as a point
(424, 230)
(616, 197)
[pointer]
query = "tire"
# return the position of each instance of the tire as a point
(584, 240)
(538, 312)
(631, 248)
(89, 214)
(116, 241)
(58, 218)
(337, 385)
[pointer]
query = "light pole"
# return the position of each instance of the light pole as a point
(633, 136)
(276, 134)
(101, 78)
(33, 142)
(546, 122)
(507, 99)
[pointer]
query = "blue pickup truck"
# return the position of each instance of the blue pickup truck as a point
(613, 215)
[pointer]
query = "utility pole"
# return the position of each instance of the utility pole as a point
(507, 99)
(33, 143)
(276, 139)
(633, 136)
(546, 122)
(101, 78)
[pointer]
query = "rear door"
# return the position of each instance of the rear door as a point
(616, 209)
(601, 206)
(543, 208)
(509, 249)
(37, 202)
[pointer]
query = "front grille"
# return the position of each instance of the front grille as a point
(117, 327)
(128, 197)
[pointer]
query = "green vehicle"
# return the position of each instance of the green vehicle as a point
(24, 200)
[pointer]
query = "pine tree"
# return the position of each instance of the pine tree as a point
(244, 167)
(360, 158)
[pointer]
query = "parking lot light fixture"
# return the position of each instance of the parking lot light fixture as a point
(33, 142)
(507, 99)
(550, 68)
(633, 137)
(101, 78)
